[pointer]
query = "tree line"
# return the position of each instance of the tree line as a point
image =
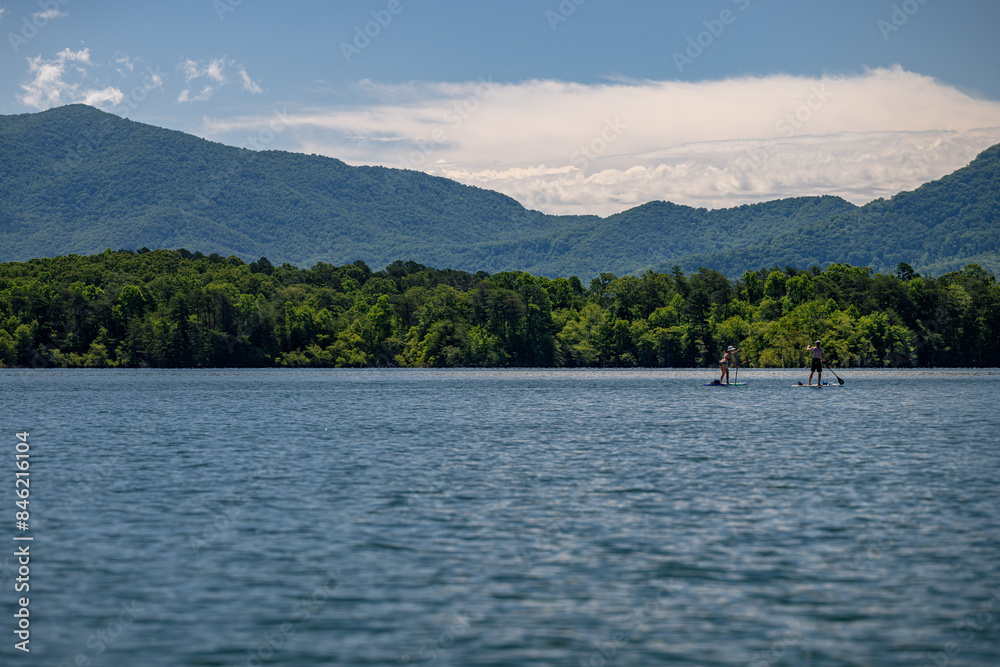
(174, 308)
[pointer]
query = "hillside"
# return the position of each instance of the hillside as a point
(940, 227)
(663, 234)
(77, 180)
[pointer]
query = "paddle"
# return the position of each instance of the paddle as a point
(834, 374)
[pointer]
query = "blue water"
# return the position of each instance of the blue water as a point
(389, 517)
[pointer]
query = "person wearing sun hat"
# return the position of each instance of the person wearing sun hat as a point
(726, 361)
(817, 362)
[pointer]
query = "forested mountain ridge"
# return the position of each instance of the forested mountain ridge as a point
(665, 234)
(77, 180)
(939, 227)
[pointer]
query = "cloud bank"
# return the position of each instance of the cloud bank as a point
(570, 148)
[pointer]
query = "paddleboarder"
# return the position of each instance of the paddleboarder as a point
(726, 361)
(817, 362)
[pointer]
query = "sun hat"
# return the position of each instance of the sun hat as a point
(731, 349)
(817, 342)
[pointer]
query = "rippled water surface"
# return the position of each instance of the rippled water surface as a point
(388, 517)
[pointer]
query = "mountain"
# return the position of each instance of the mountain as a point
(78, 180)
(661, 233)
(940, 227)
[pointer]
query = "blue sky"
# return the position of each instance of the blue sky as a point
(567, 105)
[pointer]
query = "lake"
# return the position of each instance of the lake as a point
(505, 517)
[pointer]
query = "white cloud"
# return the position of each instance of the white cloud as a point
(249, 84)
(126, 64)
(49, 14)
(154, 79)
(572, 148)
(108, 96)
(193, 71)
(205, 94)
(215, 71)
(190, 68)
(51, 82)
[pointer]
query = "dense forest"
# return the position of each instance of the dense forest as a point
(77, 180)
(174, 308)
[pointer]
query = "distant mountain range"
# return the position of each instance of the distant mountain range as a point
(77, 180)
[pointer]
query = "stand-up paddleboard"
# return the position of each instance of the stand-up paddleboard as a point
(825, 385)
(723, 384)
